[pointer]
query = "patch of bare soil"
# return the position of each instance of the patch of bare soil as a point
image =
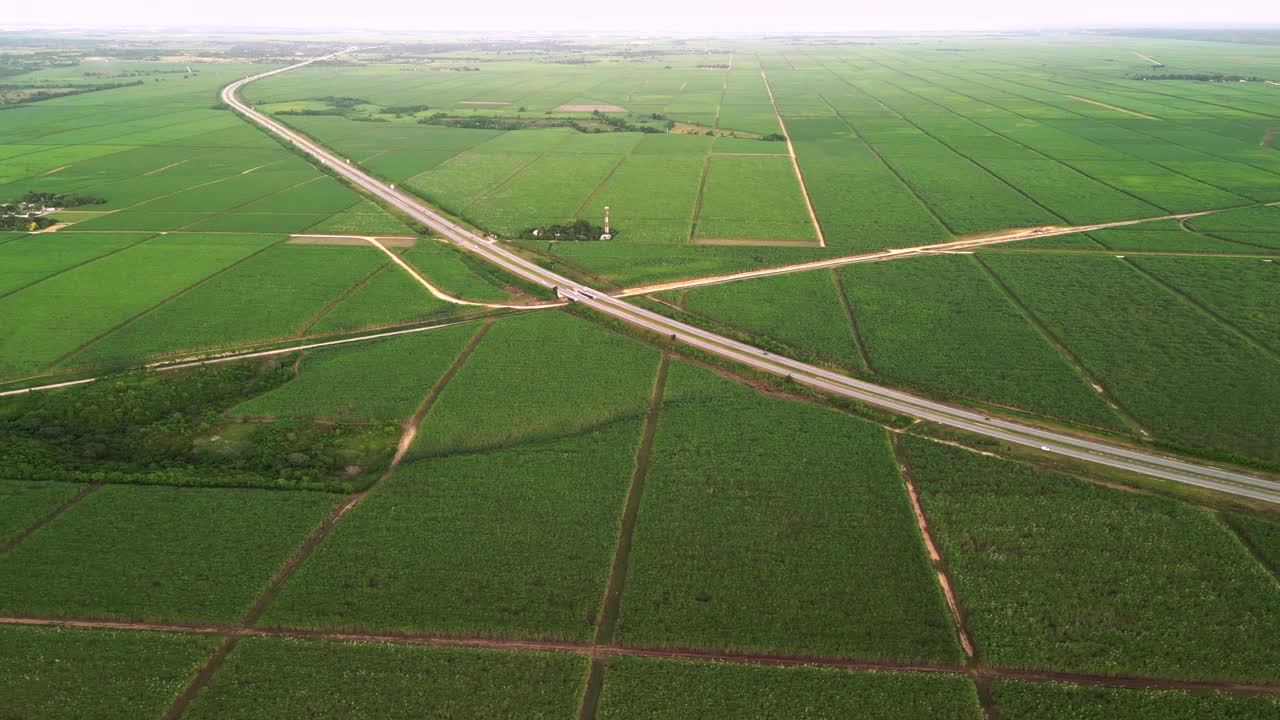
(388, 240)
(590, 108)
(1113, 107)
(755, 242)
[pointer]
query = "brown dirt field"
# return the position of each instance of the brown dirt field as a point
(388, 240)
(755, 242)
(590, 108)
(1113, 107)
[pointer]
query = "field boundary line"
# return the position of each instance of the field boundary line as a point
(795, 163)
(848, 664)
(600, 185)
(887, 165)
(218, 357)
(611, 603)
(147, 311)
(446, 297)
(1201, 308)
(232, 210)
(201, 678)
(936, 560)
(702, 188)
(190, 187)
(49, 517)
(406, 441)
(1252, 547)
(1136, 253)
(1070, 357)
(79, 264)
(853, 321)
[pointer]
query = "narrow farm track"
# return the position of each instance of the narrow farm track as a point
(235, 632)
(1126, 458)
(899, 253)
(795, 163)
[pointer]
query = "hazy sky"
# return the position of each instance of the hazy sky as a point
(648, 15)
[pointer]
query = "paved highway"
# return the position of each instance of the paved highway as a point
(1049, 441)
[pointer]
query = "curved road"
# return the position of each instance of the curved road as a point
(1095, 451)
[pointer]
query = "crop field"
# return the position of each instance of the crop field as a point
(644, 688)
(266, 678)
(1187, 377)
(1241, 291)
(469, 509)
(272, 295)
(397, 373)
(24, 503)
(803, 310)
(744, 540)
(1034, 565)
(934, 321)
(536, 377)
(49, 321)
(131, 553)
(135, 674)
(1047, 701)
(406, 560)
(753, 198)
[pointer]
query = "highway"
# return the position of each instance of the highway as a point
(1096, 451)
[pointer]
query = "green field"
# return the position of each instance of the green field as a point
(131, 553)
(1058, 573)
(1184, 375)
(296, 678)
(64, 673)
(407, 560)
(637, 688)
(538, 376)
(777, 526)
(398, 372)
(451, 510)
(1044, 701)
(25, 503)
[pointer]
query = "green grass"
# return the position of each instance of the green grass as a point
(777, 526)
(538, 376)
(1056, 573)
(510, 543)
(378, 380)
(69, 674)
(267, 678)
(22, 504)
(366, 218)
(131, 553)
(458, 273)
(1188, 379)
(642, 689)
(271, 296)
(1055, 701)
(934, 322)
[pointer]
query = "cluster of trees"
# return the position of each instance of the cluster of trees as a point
(25, 213)
(1201, 77)
(155, 428)
(577, 230)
